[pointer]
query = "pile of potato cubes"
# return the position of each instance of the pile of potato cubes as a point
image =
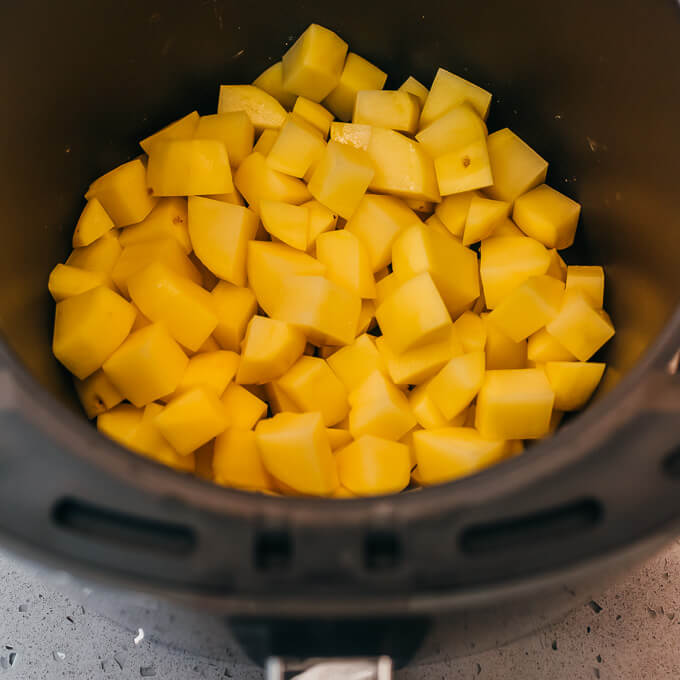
(288, 303)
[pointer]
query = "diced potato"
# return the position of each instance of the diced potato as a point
(457, 384)
(121, 423)
(219, 234)
(142, 381)
(465, 169)
(93, 222)
(167, 219)
(100, 256)
(256, 180)
(484, 215)
(183, 128)
(289, 223)
(390, 109)
(210, 345)
(262, 109)
(379, 408)
(346, 261)
(265, 141)
(548, 216)
(508, 228)
(449, 90)
(213, 370)
(453, 268)
(506, 262)
(338, 438)
(189, 167)
(452, 452)
(544, 347)
(529, 307)
(458, 128)
(313, 386)
(420, 206)
(341, 178)
(385, 287)
(270, 348)
(516, 167)
(123, 193)
(357, 74)
(312, 66)
(140, 320)
(573, 382)
(279, 401)
(237, 461)
(271, 81)
(315, 114)
(66, 281)
(321, 220)
(580, 328)
(243, 408)
(354, 363)
(352, 134)
(413, 86)
(588, 280)
(501, 351)
(413, 315)
(514, 404)
(471, 331)
(297, 148)
(558, 267)
(97, 394)
(453, 211)
(192, 419)
(372, 466)
(296, 451)
(427, 413)
(233, 128)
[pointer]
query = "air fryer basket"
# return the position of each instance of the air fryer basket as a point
(594, 87)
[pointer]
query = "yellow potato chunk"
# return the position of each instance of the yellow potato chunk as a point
(548, 216)
(427, 413)
(297, 148)
(279, 401)
(449, 453)
(357, 74)
(270, 348)
(366, 317)
(456, 385)
(213, 370)
(354, 363)
(346, 261)
(372, 466)
(453, 268)
(89, 327)
(312, 386)
(192, 419)
(271, 81)
(315, 114)
(516, 167)
(542, 347)
(589, 281)
(66, 281)
(321, 220)
(123, 193)
(338, 438)
(465, 169)
(507, 262)
(210, 345)
(97, 394)
(558, 267)
(265, 141)
(501, 351)
(237, 461)
(233, 128)
(243, 408)
(312, 66)
(392, 109)
(167, 220)
(262, 109)
(449, 90)
(183, 128)
(100, 256)
(289, 223)
(93, 222)
(573, 382)
(415, 87)
(529, 307)
(507, 227)
(256, 180)
(385, 287)
(471, 332)
(458, 128)
(379, 408)
(219, 234)
(341, 178)
(295, 450)
(453, 211)
(352, 134)
(580, 328)
(189, 167)
(147, 366)
(484, 215)
(183, 306)
(121, 423)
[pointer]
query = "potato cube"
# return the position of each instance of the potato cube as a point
(123, 193)
(233, 128)
(147, 366)
(289, 223)
(372, 466)
(121, 423)
(580, 328)
(167, 220)
(341, 178)
(315, 114)
(189, 167)
(427, 413)
(516, 167)
(413, 86)
(542, 347)
(456, 385)
(265, 141)
(338, 438)
(484, 215)
(312, 66)
(529, 307)
(97, 394)
(100, 256)
(270, 348)
(588, 280)
(453, 268)
(243, 408)
(573, 382)
(279, 401)
(354, 363)
(558, 267)
(183, 128)
(312, 386)
(507, 227)
(449, 453)
(390, 109)
(458, 128)
(471, 331)
(501, 351)
(237, 461)
(271, 81)
(210, 345)
(262, 109)
(515, 404)
(507, 262)
(213, 370)
(366, 317)
(357, 74)
(351, 134)
(66, 281)
(321, 220)
(192, 419)
(449, 90)
(453, 211)
(379, 408)
(93, 222)
(385, 287)
(297, 148)
(346, 261)
(464, 169)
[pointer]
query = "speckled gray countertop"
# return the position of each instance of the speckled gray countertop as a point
(630, 632)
